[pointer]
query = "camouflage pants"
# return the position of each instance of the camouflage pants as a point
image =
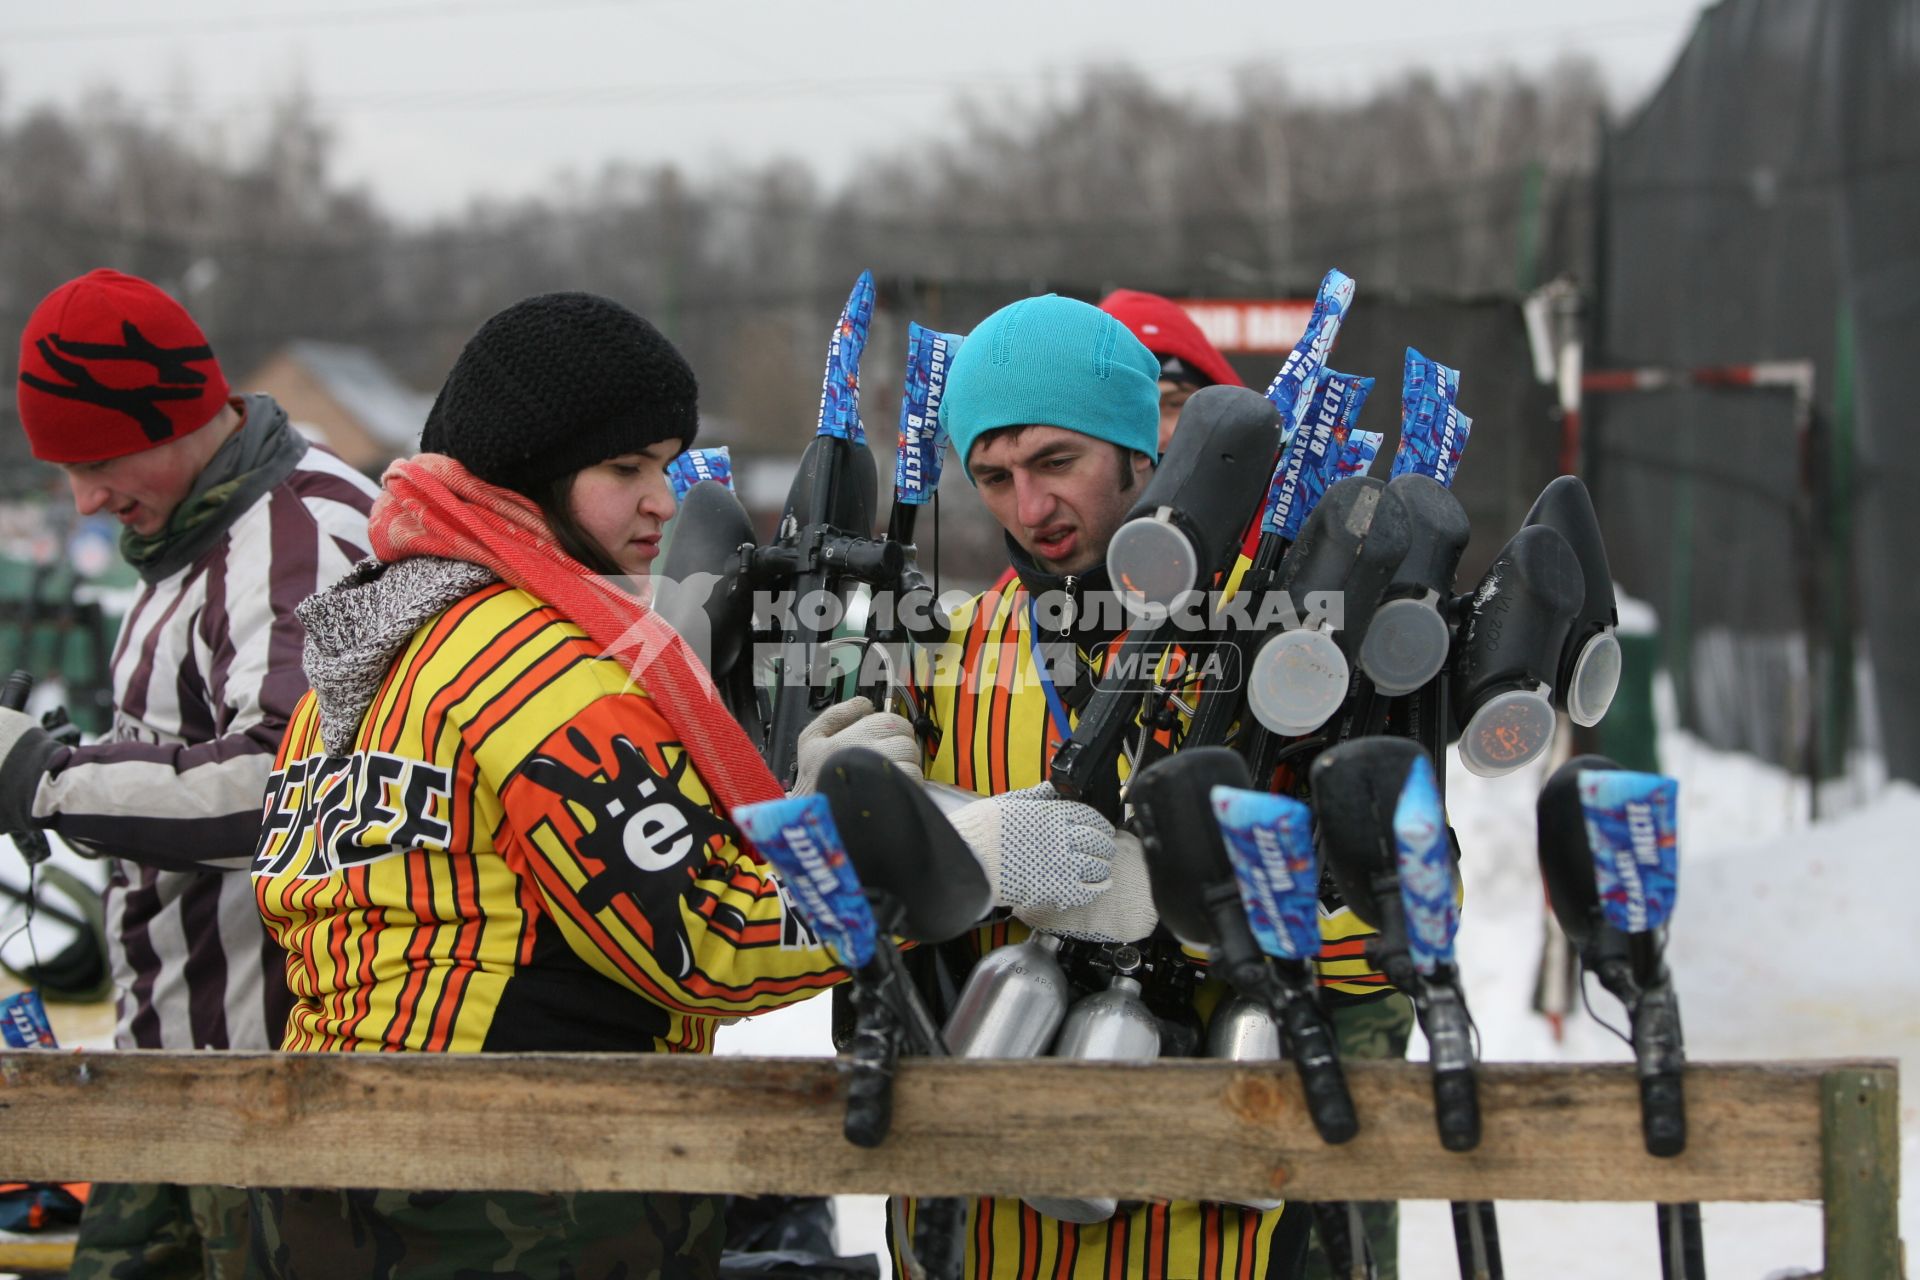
(156, 1231)
(464, 1235)
(1375, 1028)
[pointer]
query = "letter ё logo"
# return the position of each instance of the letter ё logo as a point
(656, 837)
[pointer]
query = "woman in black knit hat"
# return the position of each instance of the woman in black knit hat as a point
(534, 855)
(558, 386)
(498, 822)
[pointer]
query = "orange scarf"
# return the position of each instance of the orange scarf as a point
(430, 505)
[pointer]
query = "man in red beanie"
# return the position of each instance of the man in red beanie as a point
(231, 518)
(1187, 360)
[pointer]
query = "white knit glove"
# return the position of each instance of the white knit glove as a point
(1037, 849)
(1123, 911)
(853, 723)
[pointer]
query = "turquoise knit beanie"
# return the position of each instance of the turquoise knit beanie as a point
(1055, 362)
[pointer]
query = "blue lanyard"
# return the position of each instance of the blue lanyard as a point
(1055, 708)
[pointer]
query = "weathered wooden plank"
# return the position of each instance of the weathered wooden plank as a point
(759, 1125)
(1860, 1112)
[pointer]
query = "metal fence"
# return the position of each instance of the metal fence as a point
(1761, 207)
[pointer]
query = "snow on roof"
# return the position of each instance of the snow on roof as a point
(391, 411)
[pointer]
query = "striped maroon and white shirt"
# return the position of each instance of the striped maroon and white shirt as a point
(205, 674)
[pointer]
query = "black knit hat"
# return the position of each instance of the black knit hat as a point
(558, 382)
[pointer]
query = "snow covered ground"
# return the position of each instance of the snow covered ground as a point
(1790, 940)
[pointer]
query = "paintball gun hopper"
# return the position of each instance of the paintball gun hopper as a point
(1407, 640)
(899, 843)
(1589, 668)
(702, 586)
(1508, 652)
(1193, 512)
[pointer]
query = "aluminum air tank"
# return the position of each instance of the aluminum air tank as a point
(1114, 1025)
(1013, 1002)
(1243, 1030)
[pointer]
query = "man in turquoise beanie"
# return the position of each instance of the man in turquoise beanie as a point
(1054, 411)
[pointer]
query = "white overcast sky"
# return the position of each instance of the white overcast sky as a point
(436, 101)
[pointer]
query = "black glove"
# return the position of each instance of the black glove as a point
(25, 751)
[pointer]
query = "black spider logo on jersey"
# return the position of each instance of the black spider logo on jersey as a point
(649, 838)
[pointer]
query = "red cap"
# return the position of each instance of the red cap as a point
(1167, 330)
(111, 365)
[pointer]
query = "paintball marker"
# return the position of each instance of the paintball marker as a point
(1537, 635)
(1608, 854)
(821, 553)
(843, 857)
(1396, 628)
(1387, 842)
(1179, 535)
(1192, 868)
(1172, 543)
(823, 543)
(1240, 881)
(920, 875)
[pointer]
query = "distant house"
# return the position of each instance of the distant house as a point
(345, 397)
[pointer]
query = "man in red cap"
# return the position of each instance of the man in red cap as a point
(1187, 360)
(232, 519)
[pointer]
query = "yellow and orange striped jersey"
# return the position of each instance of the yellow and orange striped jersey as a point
(995, 731)
(996, 737)
(516, 855)
(1203, 1241)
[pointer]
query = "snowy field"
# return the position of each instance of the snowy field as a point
(1790, 940)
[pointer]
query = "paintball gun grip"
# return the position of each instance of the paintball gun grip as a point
(1309, 1041)
(1456, 1108)
(32, 842)
(1456, 1093)
(875, 1049)
(1663, 1114)
(1657, 1048)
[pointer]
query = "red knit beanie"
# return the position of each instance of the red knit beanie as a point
(1166, 330)
(111, 365)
